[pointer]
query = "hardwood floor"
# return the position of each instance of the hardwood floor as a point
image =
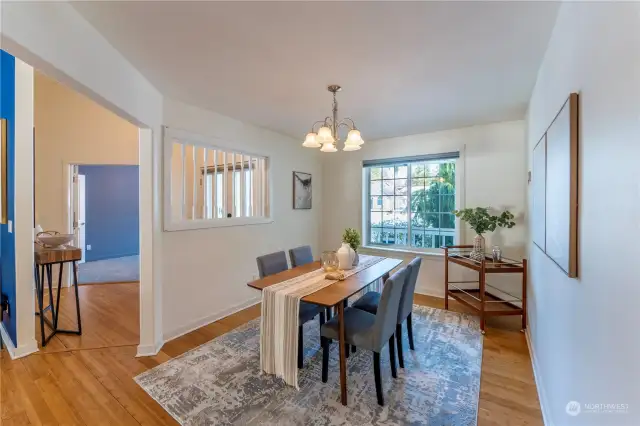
(110, 317)
(82, 382)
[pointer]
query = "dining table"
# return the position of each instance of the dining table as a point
(334, 296)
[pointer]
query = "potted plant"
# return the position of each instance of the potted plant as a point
(481, 221)
(352, 237)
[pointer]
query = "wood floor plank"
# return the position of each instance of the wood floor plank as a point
(89, 379)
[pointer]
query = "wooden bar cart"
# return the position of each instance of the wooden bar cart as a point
(484, 299)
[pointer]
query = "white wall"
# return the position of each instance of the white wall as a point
(54, 38)
(494, 176)
(584, 332)
(206, 270)
(71, 128)
(23, 209)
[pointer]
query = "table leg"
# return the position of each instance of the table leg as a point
(482, 296)
(524, 295)
(50, 285)
(40, 295)
(75, 284)
(343, 359)
(55, 322)
(446, 279)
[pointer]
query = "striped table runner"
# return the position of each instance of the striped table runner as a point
(279, 321)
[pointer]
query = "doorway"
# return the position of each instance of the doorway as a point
(105, 221)
(84, 155)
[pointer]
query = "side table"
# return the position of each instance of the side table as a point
(484, 300)
(44, 259)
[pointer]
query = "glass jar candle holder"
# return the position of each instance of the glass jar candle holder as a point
(329, 261)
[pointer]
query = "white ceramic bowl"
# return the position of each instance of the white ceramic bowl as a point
(55, 240)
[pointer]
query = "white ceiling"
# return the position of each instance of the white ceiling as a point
(405, 68)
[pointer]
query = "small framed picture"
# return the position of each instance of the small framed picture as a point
(302, 190)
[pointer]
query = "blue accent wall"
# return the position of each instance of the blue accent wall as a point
(7, 240)
(111, 211)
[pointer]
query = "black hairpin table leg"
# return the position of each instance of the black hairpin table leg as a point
(55, 309)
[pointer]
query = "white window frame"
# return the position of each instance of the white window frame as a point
(172, 135)
(365, 217)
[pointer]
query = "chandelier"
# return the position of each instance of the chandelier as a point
(327, 136)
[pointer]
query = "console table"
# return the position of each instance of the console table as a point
(485, 300)
(44, 259)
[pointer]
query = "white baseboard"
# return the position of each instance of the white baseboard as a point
(149, 350)
(20, 351)
(188, 328)
(430, 292)
(544, 406)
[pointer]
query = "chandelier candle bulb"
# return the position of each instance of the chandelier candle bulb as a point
(351, 147)
(324, 135)
(354, 138)
(311, 141)
(328, 147)
(327, 134)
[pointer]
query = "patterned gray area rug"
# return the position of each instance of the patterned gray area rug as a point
(219, 383)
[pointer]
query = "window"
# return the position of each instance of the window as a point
(210, 186)
(410, 202)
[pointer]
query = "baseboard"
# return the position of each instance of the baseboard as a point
(149, 350)
(181, 331)
(544, 406)
(20, 351)
(431, 293)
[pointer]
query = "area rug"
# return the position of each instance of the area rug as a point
(117, 270)
(219, 383)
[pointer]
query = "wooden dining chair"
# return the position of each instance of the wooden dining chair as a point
(273, 263)
(300, 256)
(369, 331)
(369, 303)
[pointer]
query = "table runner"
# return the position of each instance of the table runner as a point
(279, 320)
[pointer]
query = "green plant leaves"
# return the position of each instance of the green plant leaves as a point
(481, 221)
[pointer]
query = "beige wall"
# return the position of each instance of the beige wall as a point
(493, 174)
(70, 128)
(206, 270)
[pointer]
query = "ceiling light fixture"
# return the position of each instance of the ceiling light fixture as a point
(327, 136)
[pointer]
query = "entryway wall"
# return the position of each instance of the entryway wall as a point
(72, 129)
(90, 65)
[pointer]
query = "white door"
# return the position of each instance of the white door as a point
(79, 210)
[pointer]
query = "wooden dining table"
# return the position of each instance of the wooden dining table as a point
(334, 295)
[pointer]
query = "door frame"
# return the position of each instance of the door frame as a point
(67, 206)
(144, 111)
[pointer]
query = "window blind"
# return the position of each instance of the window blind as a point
(412, 159)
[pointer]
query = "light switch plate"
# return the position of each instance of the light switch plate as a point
(88, 247)
(10, 226)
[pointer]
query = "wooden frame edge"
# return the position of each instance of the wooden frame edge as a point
(574, 111)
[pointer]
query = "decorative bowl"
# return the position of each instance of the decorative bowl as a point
(54, 240)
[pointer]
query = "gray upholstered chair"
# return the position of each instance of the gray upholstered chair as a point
(273, 263)
(300, 256)
(369, 303)
(369, 331)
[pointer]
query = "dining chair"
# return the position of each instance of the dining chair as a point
(369, 331)
(273, 263)
(300, 256)
(370, 301)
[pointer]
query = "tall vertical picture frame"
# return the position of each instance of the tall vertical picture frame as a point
(555, 188)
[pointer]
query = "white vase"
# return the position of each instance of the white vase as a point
(346, 256)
